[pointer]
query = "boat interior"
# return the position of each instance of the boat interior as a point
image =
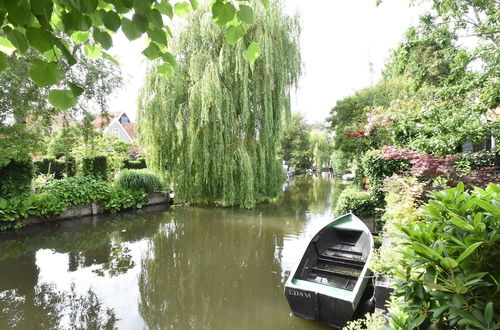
(335, 257)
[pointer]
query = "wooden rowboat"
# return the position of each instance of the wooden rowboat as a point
(328, 283)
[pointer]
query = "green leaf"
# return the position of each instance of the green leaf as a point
(103, 38)
(112, 21)
(155, 18)
(468, 251)
(39, 39)
(45, 73)
(253, 52)
(449, 262)
(265, 3)
(158, 35)
(80, 36)
(6, 46)
(170, 59)
(223, 13)
(234, 33)
(18, 12)
(92, 51)
(75, 89)
(129, 29)
(245, 14)
(462, 224)
(62, 99)
(3, 61)
(141, 22)
(488, 312)
(165, 8)
(181, 9)
(194, 4)
(18, 40)
(165, 70)
(42, 7)
(87, 6)
(63, 46)
(152, 52)
(488, 207)
(74, 21)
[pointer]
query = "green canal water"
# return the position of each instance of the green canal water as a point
(185, 268)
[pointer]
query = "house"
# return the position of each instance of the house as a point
(117, 124)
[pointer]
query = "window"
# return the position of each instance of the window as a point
(115, 131)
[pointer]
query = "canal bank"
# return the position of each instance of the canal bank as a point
(185, 268)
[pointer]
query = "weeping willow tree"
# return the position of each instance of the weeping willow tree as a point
(215, 126)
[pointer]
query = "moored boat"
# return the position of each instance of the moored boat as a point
(329, 281)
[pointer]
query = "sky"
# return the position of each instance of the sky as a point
(340, 38)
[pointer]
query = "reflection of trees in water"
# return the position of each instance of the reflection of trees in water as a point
(47, 308)
(210, 270)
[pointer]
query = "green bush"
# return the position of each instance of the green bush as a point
(70, 166)
(119, 199)
(96, 167)
(50, 165)
(46, 205)
(453, 255)
(377, 169)
(15, 178)
(480, 159)
(360, 203)
(78, 190)
(135, 164)
(12, 210)
(138, 180)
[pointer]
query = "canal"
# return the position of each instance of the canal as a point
(184, 268)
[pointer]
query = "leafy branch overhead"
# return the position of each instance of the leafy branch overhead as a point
(46, 26)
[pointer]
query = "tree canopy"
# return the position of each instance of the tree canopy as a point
(214, 127)
(45, 26)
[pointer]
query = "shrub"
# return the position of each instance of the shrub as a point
(12, 210)
(453, 253)
(360, 203)
(15, 178)
(138, 180)
(118, 199)
(50, 165)
(95, 166)
(135, 164)
(46, 205)
(480, 159)
(70, 166)
(78, 190)
(377, 168)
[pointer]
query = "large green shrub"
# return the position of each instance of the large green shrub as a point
(13, 209)
(46, 205)
(70, 166)
(95, 166)
(15, 178)
(50, 165)
(119, 199)
(358, 202)
(79, 190)
(453, 278)
(135, 164)
(138, 180)
(480, 159)
(376, 168)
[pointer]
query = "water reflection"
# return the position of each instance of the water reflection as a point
(190, 268)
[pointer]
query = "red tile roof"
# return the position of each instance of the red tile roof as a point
(102, 121)
(130, 129)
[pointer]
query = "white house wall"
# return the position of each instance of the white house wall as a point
(116, 129)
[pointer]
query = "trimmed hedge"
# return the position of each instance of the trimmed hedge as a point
(138, 180)
(15, 178)
(360, 203)
(70, 166)
(50, 165)
(96, 167)
(135, 164)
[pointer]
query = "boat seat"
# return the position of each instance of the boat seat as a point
(350, 261)
(340, 263)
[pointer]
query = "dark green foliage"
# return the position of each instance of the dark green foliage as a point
(70, 167)
(376, 168)
(50, 165)
(135, 164)
(11, 210)
(453, 278)
(15, 178)
(79, 190)
(138, 180)
(480, 159)
(119, 199)
(46, 205)
(95, 166)
(360, 203)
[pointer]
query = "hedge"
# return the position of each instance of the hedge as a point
(50, 165)
(96, 167)
(15, 178)
(362, 204)
(135, 164)
(138, 180)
